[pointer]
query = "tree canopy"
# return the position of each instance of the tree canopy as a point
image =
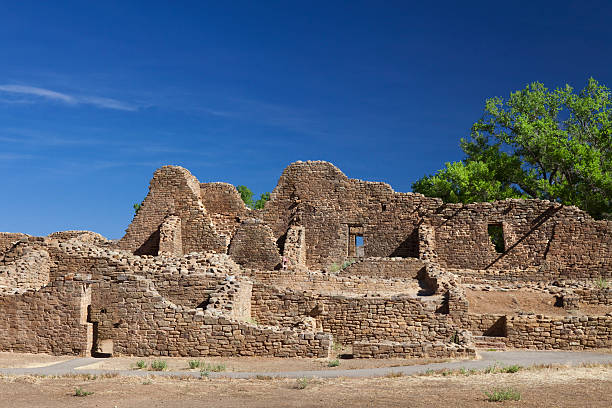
(247, 196)
(539, 143)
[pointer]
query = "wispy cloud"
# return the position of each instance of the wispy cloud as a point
(74, 100)
(269, 114)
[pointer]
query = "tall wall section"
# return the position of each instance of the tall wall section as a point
(224, 205)
(173, 191)
(335, 209)
(559, 241)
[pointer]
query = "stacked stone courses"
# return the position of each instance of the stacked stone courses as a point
(199, 274)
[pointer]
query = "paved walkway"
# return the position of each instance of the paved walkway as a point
(488, 358)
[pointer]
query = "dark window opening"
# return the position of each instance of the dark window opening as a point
(496, 235)
(384, 207)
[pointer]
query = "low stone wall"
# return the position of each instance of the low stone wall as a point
(412, 350)
(130, 312)
(487, 324)
(356, 318)
(385, 268)
(595, 296)
(569, 333)
(51, 320)
(332, 284)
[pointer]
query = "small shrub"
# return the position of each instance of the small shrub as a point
(394, 374)
(159, 365)
(204, 373)
(194, 364)
(601, 283)
(302, 383)
(141, 364)
(216, 368)
(511, 369)
(264, 377)
(79, 392)
(429, 372)
(507, 394)
(334, 363)
(334, 267)
(146, 382)
(491, 369)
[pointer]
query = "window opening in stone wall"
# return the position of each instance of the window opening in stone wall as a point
(355, 244)
(359, 252)
(496, 235)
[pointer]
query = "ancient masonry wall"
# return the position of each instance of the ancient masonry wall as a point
(595, 296)
(232, 298)
(30, 271)
(51, 320)
(131, 313)
(385, 268)
(294, 249)
(332, 284)
(569, 333)
(173, 191)
(253, 246)
(226, 208)
(412, 350)
(350, 319)
(170, 239)
(334, 209)
(7, 239)
(558, 241)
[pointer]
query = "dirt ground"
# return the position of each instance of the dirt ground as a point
(258, 364)
(513, 302)
(26, 360)
(549, 387)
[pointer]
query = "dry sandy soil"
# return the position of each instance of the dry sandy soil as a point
(515, 301)
(26, 360)
(551, 387)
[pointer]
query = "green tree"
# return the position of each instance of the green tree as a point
(554, 145)
(247, 196)
(259, 204)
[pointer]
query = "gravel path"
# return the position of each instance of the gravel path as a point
(488, 358)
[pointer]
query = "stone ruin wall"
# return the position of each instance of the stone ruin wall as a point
(173, 192)
(7, 239)
(226, 208)
(550, 240)
(385, 268)
(332, 207)
(253, 246)
(399, 318)
(51, 320)
(140, 322)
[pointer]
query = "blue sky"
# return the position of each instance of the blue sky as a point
(94, 96)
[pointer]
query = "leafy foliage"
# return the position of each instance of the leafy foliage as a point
(247, 196)
(137, 207)
(553, 145)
